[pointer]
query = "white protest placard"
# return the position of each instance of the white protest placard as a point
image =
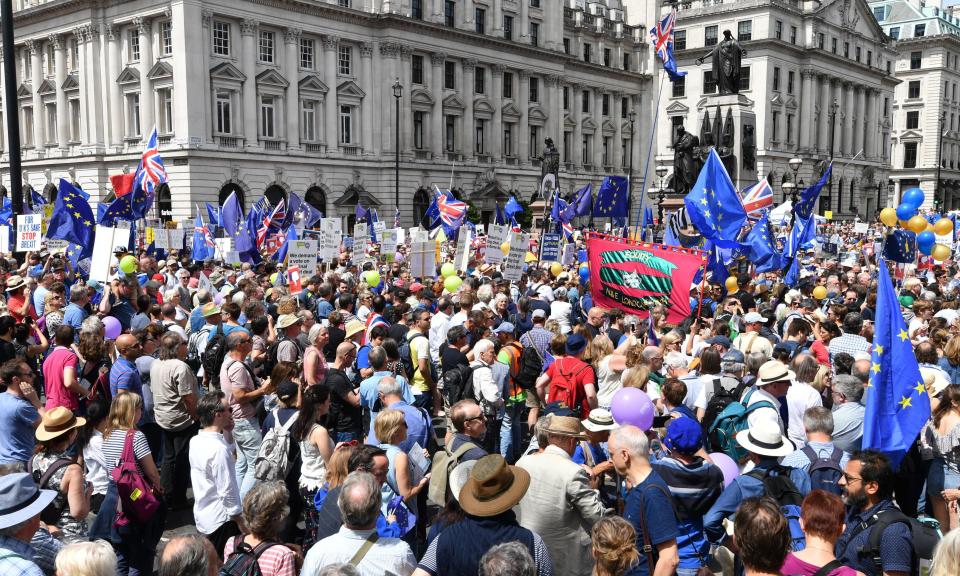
(361, 237)
(569, 257)
(378, 227)
(55, 245)
(330, 237)
(223, 246)
(4, 239)
(461, 258)
(303, 254)
(388, 243)
(513, 267)
(497, 236)
(418, 234)
(28, 232)
(161, 240)
(107, 239)
(176, 237)
(946, 239)
(401, 235)
(423, 259)
(861, 228)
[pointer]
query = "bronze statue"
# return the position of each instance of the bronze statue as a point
(550, 160)
(748, 148)
(685, 165)
(726, 63)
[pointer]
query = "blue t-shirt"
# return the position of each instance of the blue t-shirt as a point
(17, 416)
(121, 309)
(74, 315)
(227, 329)
(896, 548)
(660, 517)
(363, 357)
(124, 375)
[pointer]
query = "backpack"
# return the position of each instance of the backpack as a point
(443, 464)
(406, 356)
(726, 389)
(782, 489)
(731, 420)
(529, 368)
(194, 361)
(563, 388)
(924, 538)
(824, 473)
(243, 560)
(273, 457)
(51, 514)
(265, 367)
(213, 356)
(458, 383)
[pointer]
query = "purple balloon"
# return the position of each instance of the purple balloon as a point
(727, 466)
(632, 406)
(111, 328)
(218, 299)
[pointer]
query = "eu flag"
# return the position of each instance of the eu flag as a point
(713, 205)
(792, 278)
(361, 213)
(119, 209)
(72, 217)
(897, 401)
(501, 219)
(213, 215)
(203, 245)
(803, 232)
(582, 204)
(231, 220)
(761, 249)
(804, 207)
(512, 208)
(289, 236)
(900, 246)
(612, 198)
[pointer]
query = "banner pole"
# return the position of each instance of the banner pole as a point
(646, 166)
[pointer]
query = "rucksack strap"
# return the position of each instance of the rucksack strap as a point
(879, 522)
(364, 548)
(52, 469)
(829, 567)
(457, 454)
(810, 454)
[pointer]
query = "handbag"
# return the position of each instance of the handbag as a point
(137, 500)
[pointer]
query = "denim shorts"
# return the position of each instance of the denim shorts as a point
(941, 476)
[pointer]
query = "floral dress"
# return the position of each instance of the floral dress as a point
(74, 530)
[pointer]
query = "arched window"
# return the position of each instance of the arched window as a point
(164, 203)
(317, 198)
(231, 188)
(421, 201)
(275, 194)
(50, 192)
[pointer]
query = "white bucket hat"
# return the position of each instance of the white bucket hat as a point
(765, 438)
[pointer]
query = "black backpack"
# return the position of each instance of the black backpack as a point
(265, 367)
(726, 389)
(923, 537)
(407, 358)
(243, 560)
(214, 355)
(458, 383)
(194, 361)
(824, 473)
(51, 514)
(781, 488)
(529, 368)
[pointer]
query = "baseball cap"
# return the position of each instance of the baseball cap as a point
(752, 317)
(733, 355)
(684, 435)
(538, 313)
(504, 327)
(721, 340)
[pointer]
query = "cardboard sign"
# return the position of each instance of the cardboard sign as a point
(55, 245)
(302, 254)
(461, 258)
(418, 234)
(828, 214)
(423, 259)
(378, 227)
(28, 232)
(106, 240)
(388, 243)
(294, 279)
(550, 248)
(497, 236)
(513, 267)
(569, 257)
(330, 236)
(861, 228)
(361, 238)
(176, 238)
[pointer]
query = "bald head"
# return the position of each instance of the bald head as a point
(191, 555)
(128, 346)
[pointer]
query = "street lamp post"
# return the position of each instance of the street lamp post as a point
(632, 115)
(661, 176)
(397, 94)
(795, 163)
(11, 108)
(834, 106)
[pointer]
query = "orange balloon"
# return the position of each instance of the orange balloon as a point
(731, 284)
(943, 227)
(940, 252)
(903, 224)
(820, 292)
(917, 224)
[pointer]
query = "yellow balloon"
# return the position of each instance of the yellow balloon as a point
(904, 224)
(731, 284)
(940, 252)
(917, 224)
(929, 228)
(943, 227)
(888, 216)
(820, 292)
(505, 248)
(556, 269)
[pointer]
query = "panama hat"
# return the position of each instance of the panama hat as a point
(565, 426)
(57, 422)
(353, 327)
(599, 420)
(934, 380)
(14, 282)
(773, 371)
(287, 320)
(493, 487)
(209, 309)
(21, 499)
(459, 477)
(765, 438)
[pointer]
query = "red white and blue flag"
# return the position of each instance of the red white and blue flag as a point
(661, 36)
(757, 198)
(278, 213)
(151, 172)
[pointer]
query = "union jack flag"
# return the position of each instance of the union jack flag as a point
(450, 208)
(201, 228)
(757, 198)
(277, 215)
(661, 36)
(151, 172)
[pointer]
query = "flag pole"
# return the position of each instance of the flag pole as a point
(646, 166)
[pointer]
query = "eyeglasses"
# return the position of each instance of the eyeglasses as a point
(851, 479)
(478, 417)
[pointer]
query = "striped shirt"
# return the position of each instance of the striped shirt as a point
(113, 449)
(16, 558)
(276, 560)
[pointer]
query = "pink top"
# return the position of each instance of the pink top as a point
(794, 565)
(320, 367)
(53, 366)
(277, 560)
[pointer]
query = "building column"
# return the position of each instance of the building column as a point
(116, 95)
(806, 107)
(524, 35)
(248, 63)
(80, 33)
(524, 125)
(861, 125)
(496, 138)
(60, 75)
(389, 55)
(554, 127)
(331, 136)
(291, 42)
(469, 130)
(850, 111)
(577, 104)
(497, 18)
(837, 125)
(468, 14)
(598, 132)
(437, 11)
(618, 132)
(36, 78)
(436, 115)
(369, 103)
(872, 138)
(406, 103)
(825, 100)
(147, 120)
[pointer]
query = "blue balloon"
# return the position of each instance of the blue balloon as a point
(906, 211)
(925, 242)
(584, 273)
(913, 196)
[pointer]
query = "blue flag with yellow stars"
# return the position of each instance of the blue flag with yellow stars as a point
(804, 207)
(900, 246)
(713, 204)
(119, 209)
(897, 401)
(611, 199)
(72, 218)
(761, 248)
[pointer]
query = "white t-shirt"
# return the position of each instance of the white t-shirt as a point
(694, 384)
(608, 382)
(560, 311)
(800, 396)
(763, 413)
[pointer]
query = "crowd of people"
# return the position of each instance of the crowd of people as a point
(381, 424)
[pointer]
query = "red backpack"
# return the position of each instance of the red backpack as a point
(563, 389)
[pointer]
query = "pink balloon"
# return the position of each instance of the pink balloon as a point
(111, 328)
(727, 466)
(632, 406)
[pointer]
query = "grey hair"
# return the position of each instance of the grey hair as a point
(235, 338)
(95, 558)
(189, 556)
(806, 367)
(389, 386)
(754, 361)
(850, 386)
(339, 570)
(78, 292)
(649, 352)
(819, 420)
(265, 509)
(377, 357)
(736, 368)
(315, 332)
(170, 294)
(541, 426)
(508, 559)
(92, 325)
(676, 360)
(482, 346)
(633, 439)
(359, 500)
(304, 314)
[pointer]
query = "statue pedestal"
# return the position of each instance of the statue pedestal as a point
(736, 110)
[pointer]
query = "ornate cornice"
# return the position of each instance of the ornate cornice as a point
(292, 35)
(249, 27)
(438, 58)
(142, 24)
